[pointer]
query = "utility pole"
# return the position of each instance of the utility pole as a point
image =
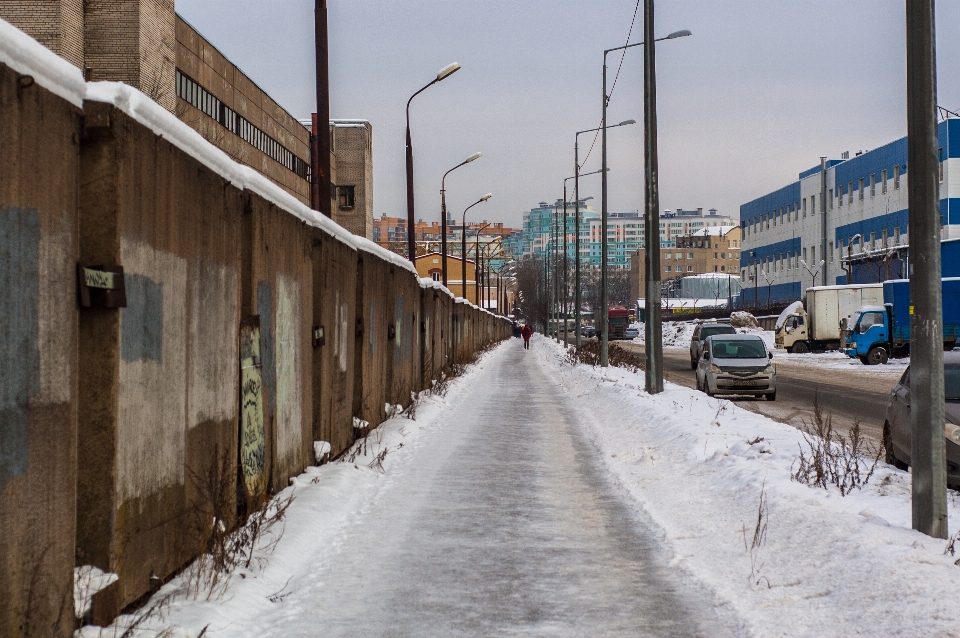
(823, 218)
(653, 329)
(321, 163)
(927, 447)
(576, 240)
(566, 289)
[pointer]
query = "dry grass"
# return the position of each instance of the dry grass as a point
(756, 542)
(589, 354)
(846, 462)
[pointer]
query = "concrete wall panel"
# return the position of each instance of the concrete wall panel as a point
(39, 169)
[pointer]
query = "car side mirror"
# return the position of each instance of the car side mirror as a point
(770, 355)
(706, 355)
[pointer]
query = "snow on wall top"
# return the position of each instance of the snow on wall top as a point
(25, 55)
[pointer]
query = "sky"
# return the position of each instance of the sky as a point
(756, 95)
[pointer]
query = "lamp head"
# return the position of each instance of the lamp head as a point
(625, 122)
(476, 155)
(486, 197)
(679, 34)
(447, 71)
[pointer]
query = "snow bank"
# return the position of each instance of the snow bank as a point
(829, 565)
(26, 56)
(678, 334)
(327, 501)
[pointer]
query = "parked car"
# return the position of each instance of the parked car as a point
(736, 364)
(896, 427)
(589, 332)
(631, 333)
(701, 332)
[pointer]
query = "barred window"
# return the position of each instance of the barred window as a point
(191, 92)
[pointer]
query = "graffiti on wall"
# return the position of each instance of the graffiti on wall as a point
(252, 445)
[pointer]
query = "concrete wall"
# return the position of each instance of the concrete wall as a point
(113, 419)
(39, 137)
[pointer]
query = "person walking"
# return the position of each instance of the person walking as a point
(526, 333)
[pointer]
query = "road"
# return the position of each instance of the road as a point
(506, 525)
(846, 396)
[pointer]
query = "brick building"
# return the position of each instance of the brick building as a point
(715, 249)
(145, 44)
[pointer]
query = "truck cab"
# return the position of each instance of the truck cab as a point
(792, 334)
(868, 336)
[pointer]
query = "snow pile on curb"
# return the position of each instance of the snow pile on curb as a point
(677, 334)
(327, 501)
(828, 565)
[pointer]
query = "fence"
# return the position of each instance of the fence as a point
(168, 309)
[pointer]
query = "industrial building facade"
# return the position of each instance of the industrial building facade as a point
(145, 44)
(850, 214)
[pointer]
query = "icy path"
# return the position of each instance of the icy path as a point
(501, 523)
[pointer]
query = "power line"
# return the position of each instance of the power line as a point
(614, 85)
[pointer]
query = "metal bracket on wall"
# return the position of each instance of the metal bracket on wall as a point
(358, 330)
(319, 338)
(101, 287)
(391, 331)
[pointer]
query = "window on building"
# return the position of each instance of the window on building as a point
(840, 196)
(873, 184)
(850, 192)
(805, 256)
(883, 181)
(831, 252)
(813, 255)
(896, 236)
(860, 196)
(896, 177)
(689, 255)
(346, 197)
(689, 268)
(873, 241)
(796, 211)
(666, 269)
(830, 198)
(813, 205)
(940, 157)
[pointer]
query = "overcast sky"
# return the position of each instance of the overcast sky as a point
(757, 94)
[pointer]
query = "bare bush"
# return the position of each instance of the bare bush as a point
(588, 353)
(952, 547)
(846, 462)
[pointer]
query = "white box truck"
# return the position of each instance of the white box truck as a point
(819, 326)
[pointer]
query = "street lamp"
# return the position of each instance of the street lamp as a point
(443, 213)
(477, 267)
(463, 244)
(444, 73)
(813, 275)
(654, 347)
(576, 194)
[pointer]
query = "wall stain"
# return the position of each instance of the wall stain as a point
(19, 335)
(141, 322)
(267, 343)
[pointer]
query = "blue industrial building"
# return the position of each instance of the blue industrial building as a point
(785, 249)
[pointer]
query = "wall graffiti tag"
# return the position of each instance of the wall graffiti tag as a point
(252, 440)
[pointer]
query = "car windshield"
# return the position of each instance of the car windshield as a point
(708, 331)
(741, 349)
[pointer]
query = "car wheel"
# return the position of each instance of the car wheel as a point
(876, 356)
(772, 397)
(801, 347)
(863, 360)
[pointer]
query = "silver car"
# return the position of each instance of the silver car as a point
(736, 364)
(701, 332)
(896, 428)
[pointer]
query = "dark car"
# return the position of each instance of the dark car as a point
(701, 332)
(896, 428)
(589, 332)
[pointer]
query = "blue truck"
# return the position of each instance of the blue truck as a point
(875, 333)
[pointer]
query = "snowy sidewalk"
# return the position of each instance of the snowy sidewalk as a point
(502, 526)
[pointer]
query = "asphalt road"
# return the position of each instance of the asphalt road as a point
(845, 396)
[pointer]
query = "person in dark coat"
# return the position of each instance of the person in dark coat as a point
(527, 332)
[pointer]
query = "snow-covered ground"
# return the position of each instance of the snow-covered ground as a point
(829, 565)
(679, 333)
(693, 468)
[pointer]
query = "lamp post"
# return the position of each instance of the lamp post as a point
(813, 273)
(463, 244)
(576, 189)
(444, 73)
(652, 248)
(478, 265)
(443, 213)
